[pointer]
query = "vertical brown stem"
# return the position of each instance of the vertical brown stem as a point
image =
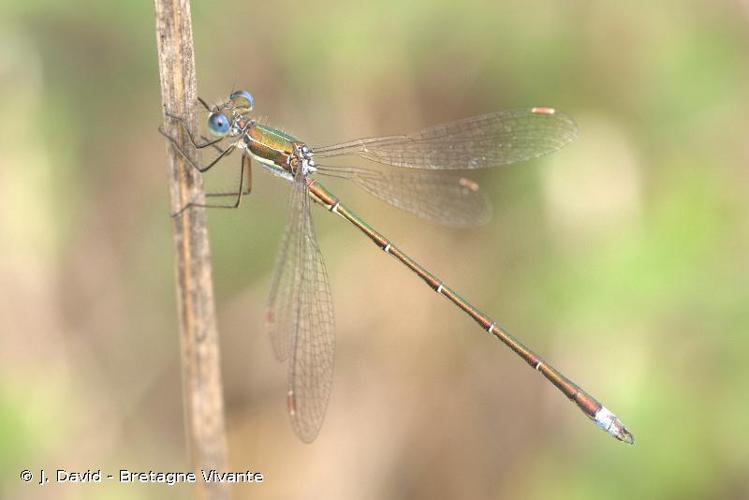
(201, 374)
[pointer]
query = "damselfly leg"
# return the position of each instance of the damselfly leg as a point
(245, 166)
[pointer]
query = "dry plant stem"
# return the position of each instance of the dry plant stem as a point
(201, 374)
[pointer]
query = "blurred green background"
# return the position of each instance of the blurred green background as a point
(623, 259)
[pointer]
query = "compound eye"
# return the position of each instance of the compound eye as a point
(242, 100)
(218, 124)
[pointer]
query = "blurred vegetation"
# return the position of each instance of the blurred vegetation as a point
(623, 258)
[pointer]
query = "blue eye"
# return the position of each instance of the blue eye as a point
(243, 100)
(218, 124)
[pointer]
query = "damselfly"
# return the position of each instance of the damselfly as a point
(300, 310)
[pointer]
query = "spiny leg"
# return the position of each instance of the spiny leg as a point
(199, 168)
(205, 105)
(184, 126)
(239, 193)
(245, 165)
(214, 146)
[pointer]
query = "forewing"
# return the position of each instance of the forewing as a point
(490, 140)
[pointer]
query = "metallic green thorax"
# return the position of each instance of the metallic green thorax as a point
(269, 143)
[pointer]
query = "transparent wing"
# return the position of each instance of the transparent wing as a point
(300, 318)
(436, 196)
(483, 141)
